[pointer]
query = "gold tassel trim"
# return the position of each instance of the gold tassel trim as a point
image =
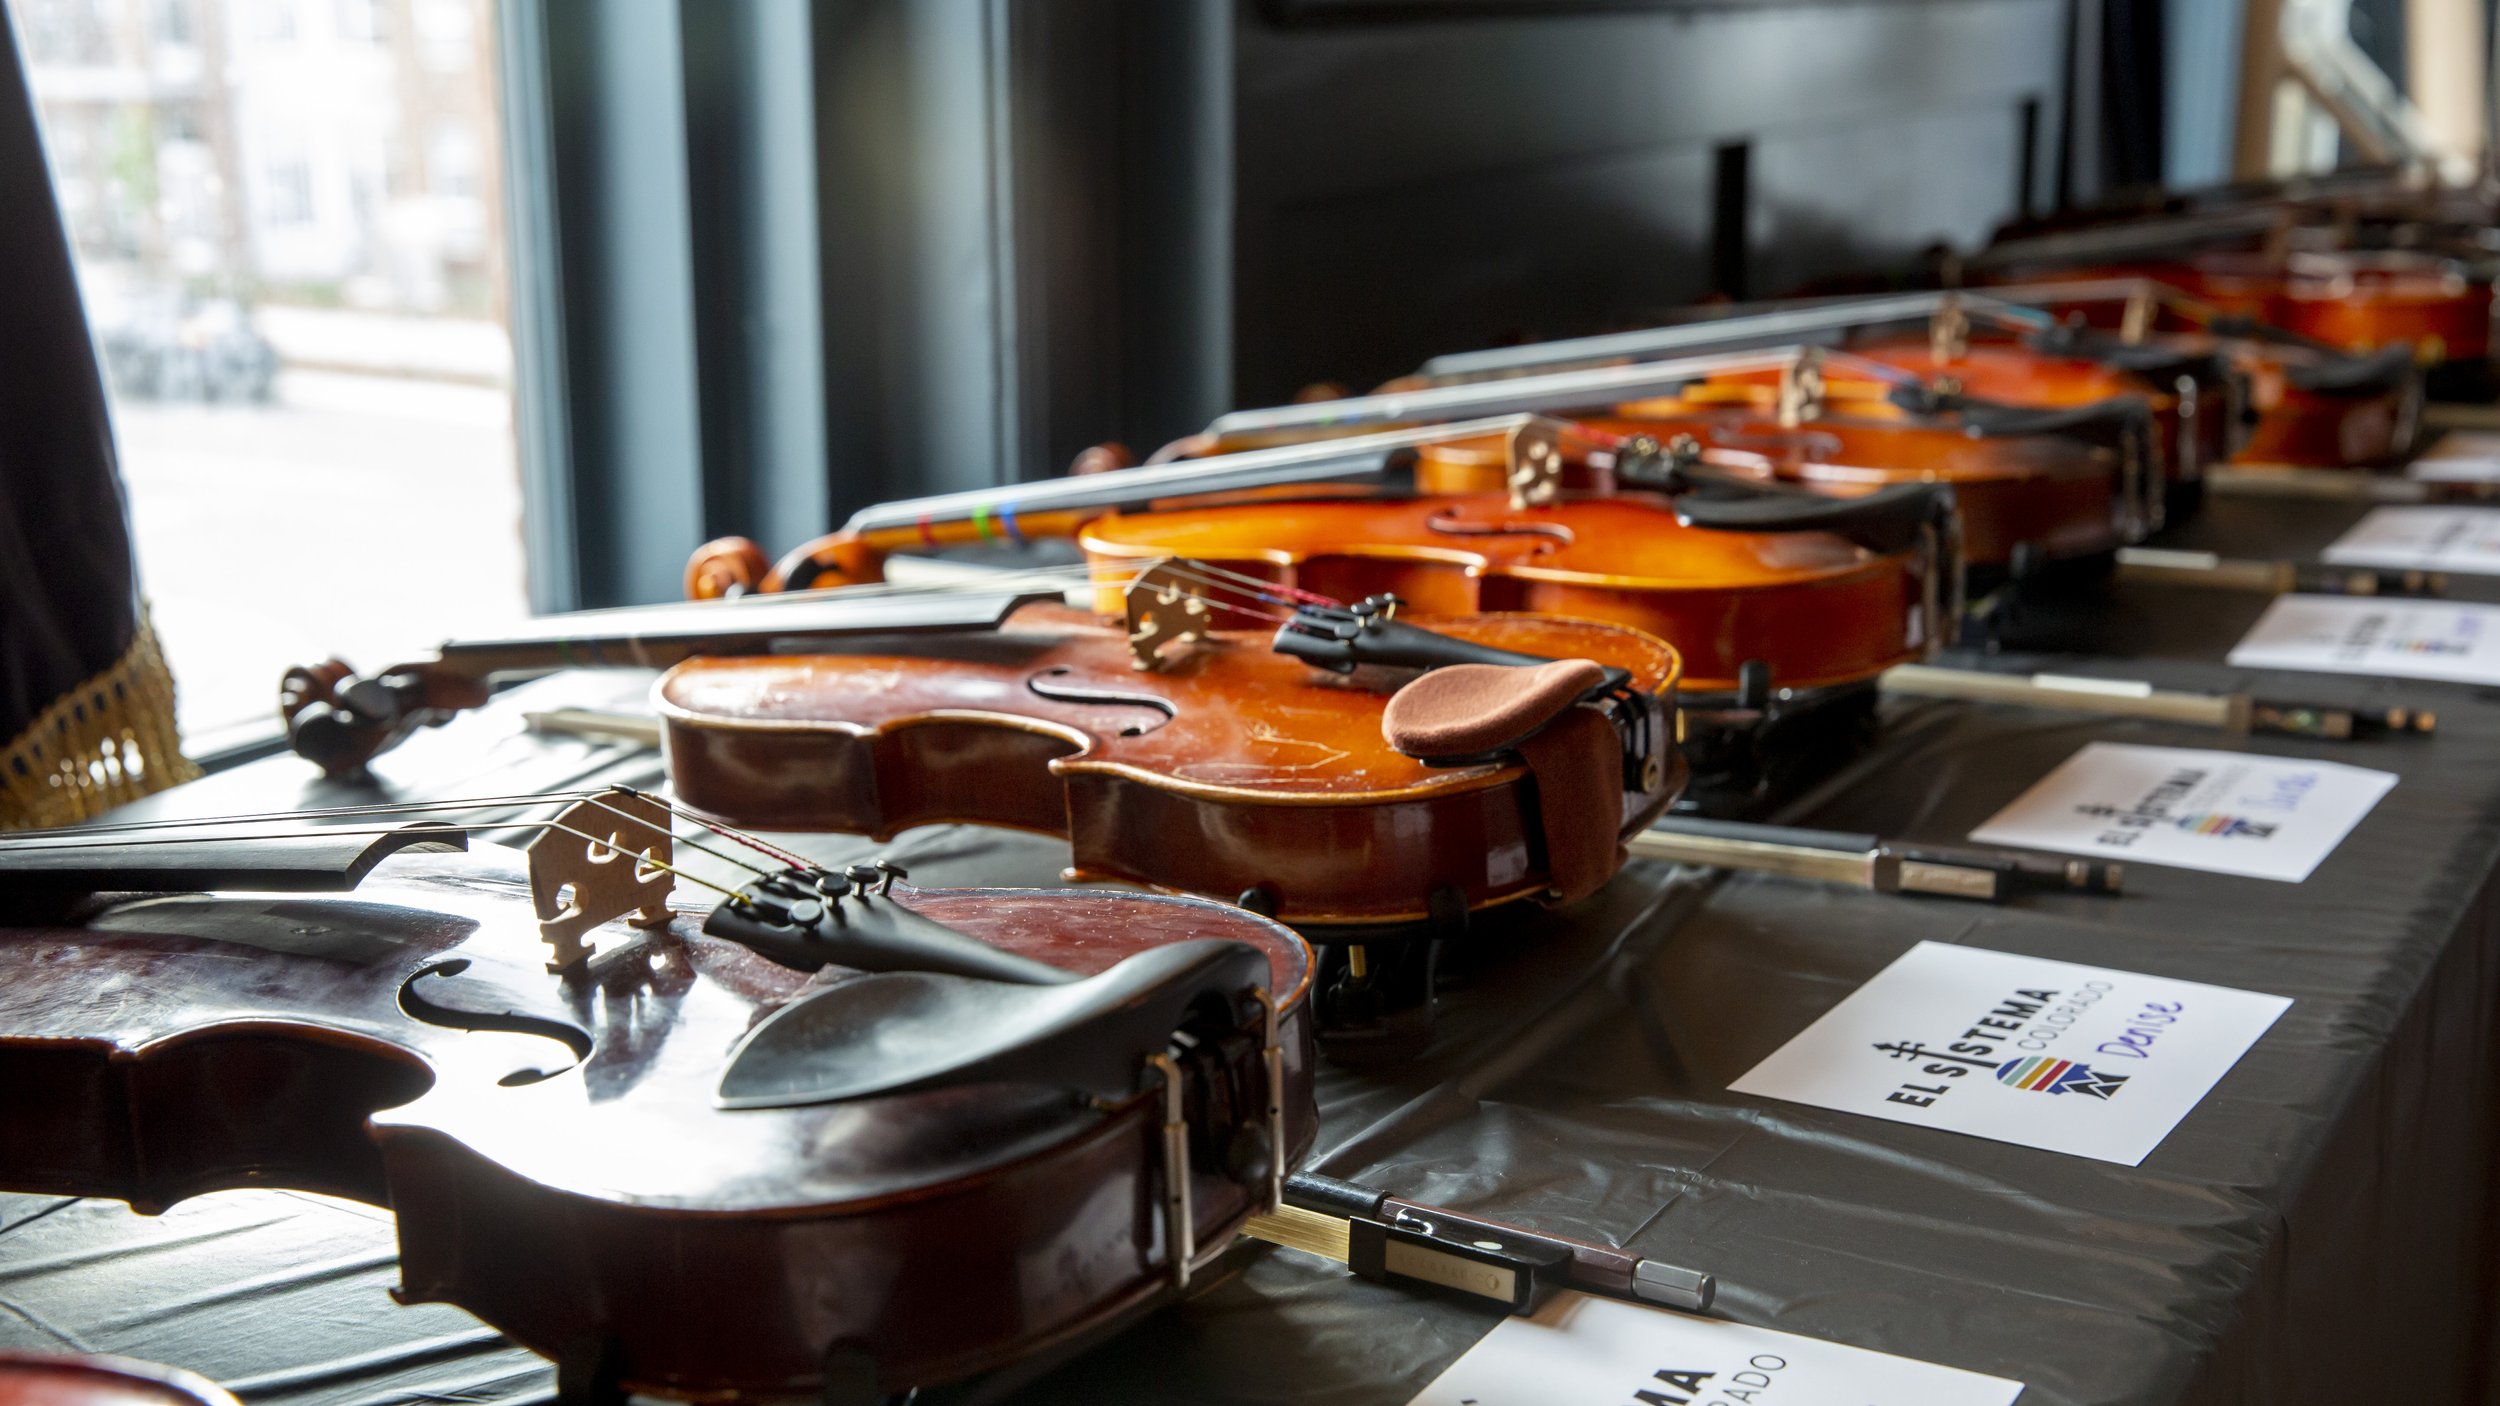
(106, 742)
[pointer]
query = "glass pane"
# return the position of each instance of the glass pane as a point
(288, 228)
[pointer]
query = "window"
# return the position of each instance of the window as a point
(286, 188)
(308, 361)
(276, 21)
(447, 35)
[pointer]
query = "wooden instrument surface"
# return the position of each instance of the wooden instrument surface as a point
(2068, 498)
(171, 1046)
(73, 1379)
(1232, 769)
(1823, 609)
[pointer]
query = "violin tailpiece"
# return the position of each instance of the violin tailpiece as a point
(603, 857)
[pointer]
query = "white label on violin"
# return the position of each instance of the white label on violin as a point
(2459, 457)
(1581, 1350)
(2382, 638)
(2222, 812)
(2423, 538)
(2082, 1060)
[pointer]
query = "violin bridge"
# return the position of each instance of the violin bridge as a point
(2136, 323)
(1948, 332)
(1536, 464)
(1164, 609)
(1801, 388)
(603, 857)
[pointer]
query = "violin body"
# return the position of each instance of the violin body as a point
(2359, 301)
(2058, 497)
(551, 1147)
(1823, 609)
(79, 1379)
(2195, 406)
(1236, 771)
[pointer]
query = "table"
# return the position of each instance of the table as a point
(2322, 1225)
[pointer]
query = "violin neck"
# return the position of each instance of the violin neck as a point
(208, 857)
(658, 636)
(1035, 509)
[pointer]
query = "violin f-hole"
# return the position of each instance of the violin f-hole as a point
(476, 1005)
(1448, 524)
(1047, 684)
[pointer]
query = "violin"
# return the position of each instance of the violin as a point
(1340, 766)
(826, 1135)
(79, 1379)
(2020, 500)
(1812, 606)
(2167, 417)
(1309, 772)
(2029, 486)
(2306, 402)
(2312, 280)
(2191, 414)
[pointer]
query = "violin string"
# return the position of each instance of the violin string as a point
(687, 840)
(729, 832)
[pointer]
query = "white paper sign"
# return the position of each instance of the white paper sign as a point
(2459, 457)
(2077, 1059)
(2423, 538)
(1585, 1351)
(2222, 812)
(2395, 639)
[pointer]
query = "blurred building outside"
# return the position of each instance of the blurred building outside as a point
(288, 222)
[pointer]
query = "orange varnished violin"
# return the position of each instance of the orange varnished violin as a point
(1280, 768)
(829, 1136)
(2027, 486)
(1818, 607)
(2350, 300)
(2308, 403)
(2026, 497)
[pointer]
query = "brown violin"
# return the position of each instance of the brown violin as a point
(2028, 486)
(1310, 772)
(1806, 591)
(2305, 402)
(828, 1135)
(2019, 499)
(2167, 417)
(2348, 300)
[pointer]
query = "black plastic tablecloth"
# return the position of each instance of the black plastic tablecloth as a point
(2320, 1226)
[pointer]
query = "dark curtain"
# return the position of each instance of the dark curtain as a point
(68, 598)
(86, 707)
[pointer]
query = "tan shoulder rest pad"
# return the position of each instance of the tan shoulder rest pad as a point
(1466, 710)
(1471, 709)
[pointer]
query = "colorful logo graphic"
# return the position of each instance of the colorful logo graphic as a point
(2039, 1074)
(2215, 823)
(2046, 1075)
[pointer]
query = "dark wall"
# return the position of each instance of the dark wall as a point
(1406, 186)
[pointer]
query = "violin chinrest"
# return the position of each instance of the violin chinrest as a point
(1468, 710)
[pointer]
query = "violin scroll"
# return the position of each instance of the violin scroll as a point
(725, 568)
(340, 721)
